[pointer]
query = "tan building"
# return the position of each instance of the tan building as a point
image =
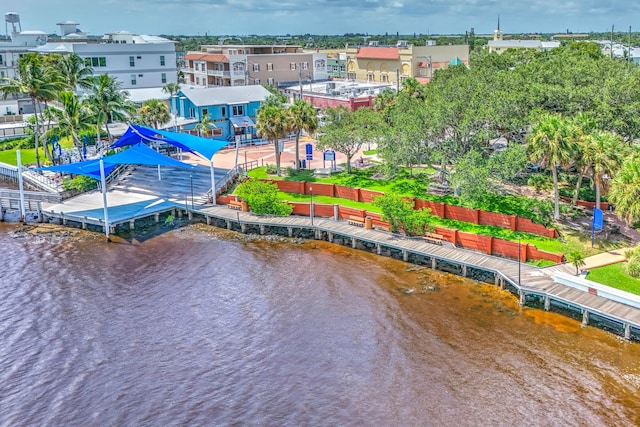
(393, 64)
(235, 65)
(499, 45)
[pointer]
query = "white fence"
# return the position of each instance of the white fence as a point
(597, 289)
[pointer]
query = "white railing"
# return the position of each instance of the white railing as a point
(219, 73)
(30, 195)
(585, 285)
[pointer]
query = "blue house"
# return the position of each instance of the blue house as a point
(231, 108)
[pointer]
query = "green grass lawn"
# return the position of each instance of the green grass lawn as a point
(28, 156)
(417, 185)
(613, 275)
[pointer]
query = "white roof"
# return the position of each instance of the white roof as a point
(203, 96)
(531, 44)
(144, 94)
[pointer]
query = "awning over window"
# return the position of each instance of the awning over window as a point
(242, 121)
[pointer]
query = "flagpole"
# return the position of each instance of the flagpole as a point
(103, 183)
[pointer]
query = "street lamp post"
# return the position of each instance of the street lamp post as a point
(311, 205)
(518, 260)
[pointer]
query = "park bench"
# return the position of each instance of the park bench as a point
(234, 204)
(433, 238)
(355, 220)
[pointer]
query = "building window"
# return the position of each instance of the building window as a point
(1, 60)
(256, 81)
(95, 62)
(305, 65)
(132, 61)
(191, 112)
(238, 110)
(162, 60)
(163, 76)
(270, 81)
(269, 67)
(292, 66)
(256, 67)
(351, 75)
(133, 80)
(224, 111)
(198, 81)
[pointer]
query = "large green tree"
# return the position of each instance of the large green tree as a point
(76, 72)
(37, 81)
(347, 131)
(73, 118)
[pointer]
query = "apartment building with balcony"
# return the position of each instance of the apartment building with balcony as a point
(241, 65)
(136, 61)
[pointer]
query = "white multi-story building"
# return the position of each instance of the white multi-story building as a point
(137, 61)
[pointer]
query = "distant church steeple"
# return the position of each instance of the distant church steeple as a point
(497, 33)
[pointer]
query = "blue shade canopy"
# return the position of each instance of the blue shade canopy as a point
(194, 144)
(90, 168)
(139, 154)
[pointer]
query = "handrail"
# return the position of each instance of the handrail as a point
(30, 195)
(231, 175)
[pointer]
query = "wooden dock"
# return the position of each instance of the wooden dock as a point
(534, 286)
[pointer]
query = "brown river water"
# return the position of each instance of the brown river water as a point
(197, 328)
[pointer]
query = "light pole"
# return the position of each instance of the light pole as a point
(311, 205)
(518, 260)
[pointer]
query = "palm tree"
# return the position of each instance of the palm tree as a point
(108, 102)
(171, 88)
(603, 154)
(552, 143)
(301, 116)
(72, 119)
(585, 124)
(76, 72)
(576, 258)
(36, 80)
(625, 189)
(205, 125)
(271, 124)
(154, 113)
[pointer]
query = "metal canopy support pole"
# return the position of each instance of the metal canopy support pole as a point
(213, 183)
(23, 213)
(103, 183)
(159, 176)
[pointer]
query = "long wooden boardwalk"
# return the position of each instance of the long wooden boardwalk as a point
(529, 282)
(533, 285)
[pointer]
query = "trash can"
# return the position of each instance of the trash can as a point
(303, 164)
(368, 223)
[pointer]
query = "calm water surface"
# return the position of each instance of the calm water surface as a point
(190, 328)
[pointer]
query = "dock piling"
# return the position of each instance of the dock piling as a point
(585, 317)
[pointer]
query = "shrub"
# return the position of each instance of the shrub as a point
(632, 267)
(262, 197)
(271, 169)
(401, 216)
(540, 182)
(80, 183)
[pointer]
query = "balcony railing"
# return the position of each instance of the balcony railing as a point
(219, 73)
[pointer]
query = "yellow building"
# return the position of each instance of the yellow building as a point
(393, 64)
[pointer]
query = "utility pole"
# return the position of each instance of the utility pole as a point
(629, 50)
(300, 77)
(611, 53)
(398, 80)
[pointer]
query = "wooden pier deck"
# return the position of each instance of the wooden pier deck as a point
(532, 283)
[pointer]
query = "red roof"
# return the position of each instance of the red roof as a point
(209, 57)
(378, 53)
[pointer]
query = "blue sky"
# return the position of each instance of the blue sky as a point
(193, 17)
